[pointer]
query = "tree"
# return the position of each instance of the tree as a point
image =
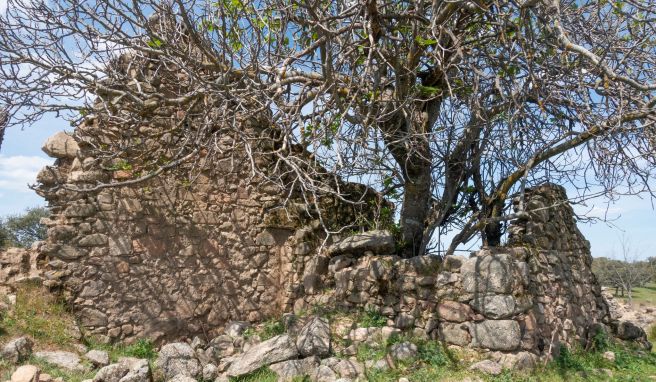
(624, 273)
(447, 108)
(24, 229)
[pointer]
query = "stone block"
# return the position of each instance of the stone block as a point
(502, 335)
(61, 145)
(454, 311)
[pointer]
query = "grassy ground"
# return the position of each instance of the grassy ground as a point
(434, 364)
(41, 316)
(642, 295)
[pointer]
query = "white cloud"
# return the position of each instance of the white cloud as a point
(3, 5)
(16, 172)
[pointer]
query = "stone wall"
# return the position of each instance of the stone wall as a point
(18, 265)
(175, 255)
(531, 296)
(168, 259)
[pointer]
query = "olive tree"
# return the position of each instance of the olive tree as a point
(447, 108)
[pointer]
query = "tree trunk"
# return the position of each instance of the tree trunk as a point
(629, 295)
(415, 209)
(493, 230)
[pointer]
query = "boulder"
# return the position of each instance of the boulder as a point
(349, 368)
(222, 346)
(26, 373)
(126, 370)
(17, 350)
(368, 335)
(380, 365)
(61, 145)
(609, 356)
(236, 328)
(524, 361)
(324, 374)
(404, 321)
(277, 349)
(98, 358)
(403, 351)
(487, 366)
(314, 338)
(627, 330)
(296, 368)
(63, 359)
(378, 242)
(210, 371)
(496, 334)
(488, 274)
(178, 359)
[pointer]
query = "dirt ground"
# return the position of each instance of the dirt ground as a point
(642, 311)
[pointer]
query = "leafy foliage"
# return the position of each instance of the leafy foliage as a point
(24, 229)
(372, 318)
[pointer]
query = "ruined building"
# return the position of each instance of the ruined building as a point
(210, 240)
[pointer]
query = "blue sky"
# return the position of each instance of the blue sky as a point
(21, 158)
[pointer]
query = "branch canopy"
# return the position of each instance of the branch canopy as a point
(446, 107)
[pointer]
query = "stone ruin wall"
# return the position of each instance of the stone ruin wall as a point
(168, 257)
(165, 260)
(531, 296)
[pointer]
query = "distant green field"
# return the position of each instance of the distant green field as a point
(645, 295)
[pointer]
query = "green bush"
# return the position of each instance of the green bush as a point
(434, 354)
(143, 348)
(372, 319)
(600, 341)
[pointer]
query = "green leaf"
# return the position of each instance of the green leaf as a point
(429, 90)
(155, 43)
(425, 41)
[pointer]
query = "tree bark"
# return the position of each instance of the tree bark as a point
(415, 208)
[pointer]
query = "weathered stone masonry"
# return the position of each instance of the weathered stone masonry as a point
(533, 295)
(206, 242)
(169, 257)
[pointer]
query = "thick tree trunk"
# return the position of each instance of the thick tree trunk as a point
(415, 209)
(493, 233)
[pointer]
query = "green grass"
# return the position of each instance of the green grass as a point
(435, 363)
(371, 318)
(41, 316)
(642, 295)
(266, 330)
(142, 348)
(260, 375)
